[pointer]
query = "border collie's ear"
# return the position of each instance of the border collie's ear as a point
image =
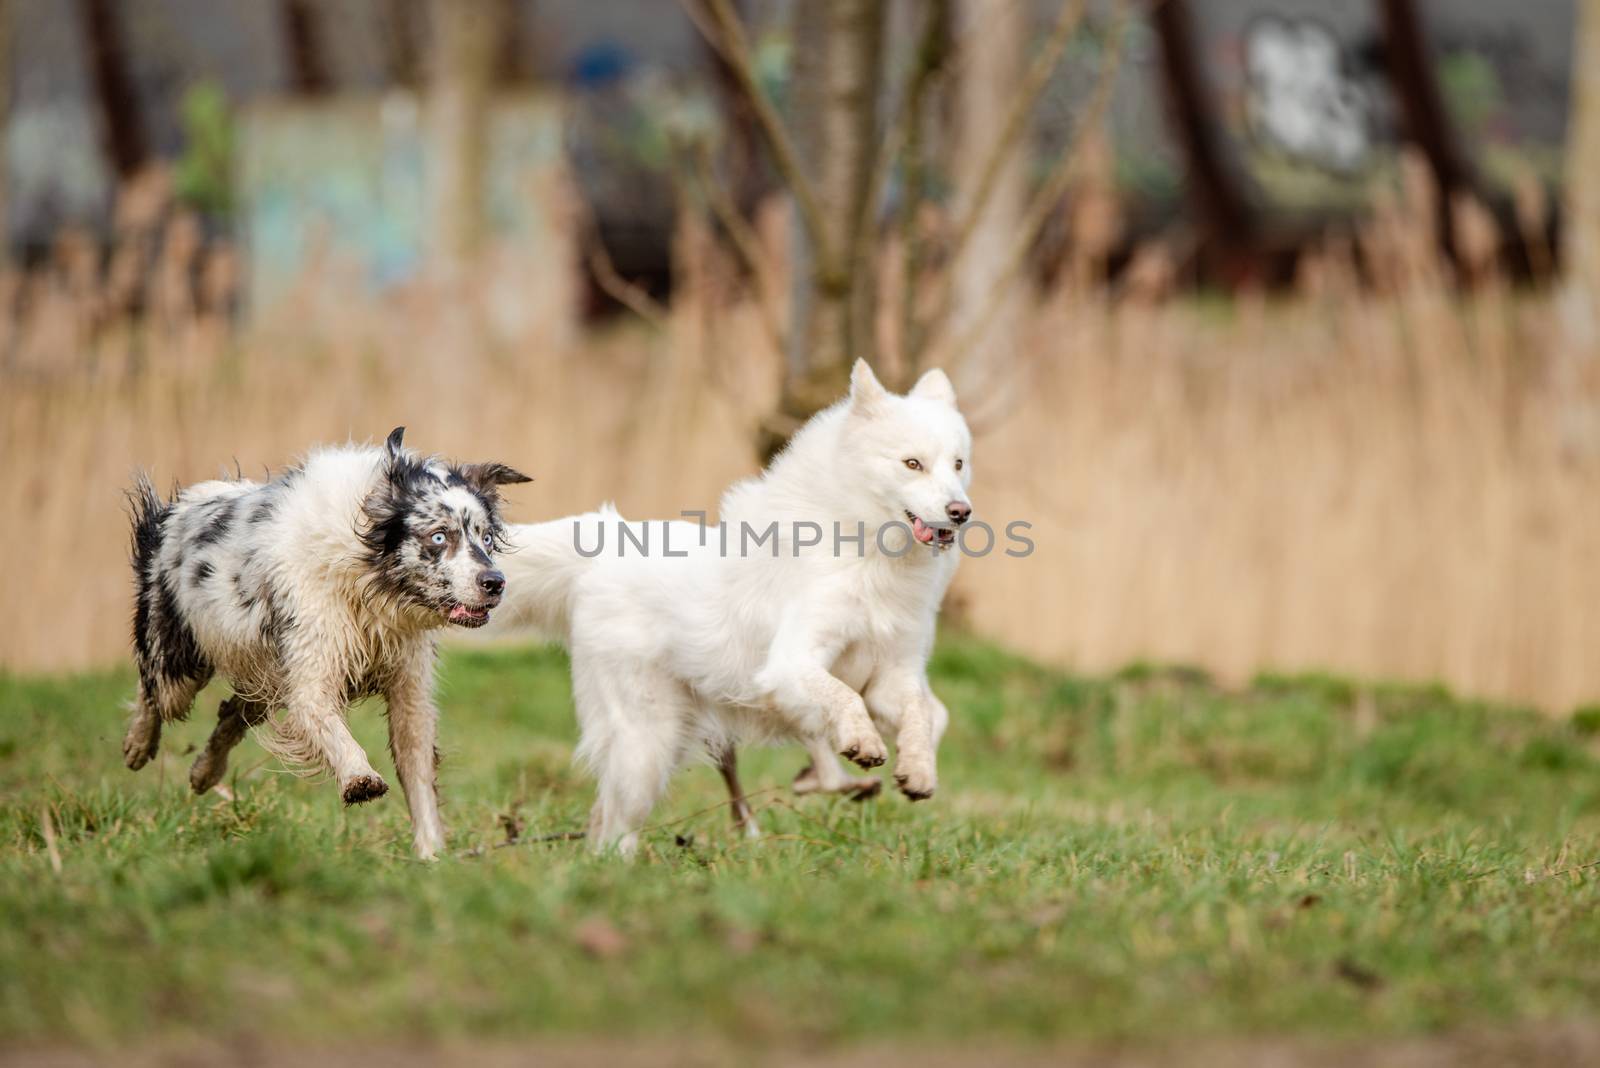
(866, 392)
(485, 477)
(935, 386)
(394, 442)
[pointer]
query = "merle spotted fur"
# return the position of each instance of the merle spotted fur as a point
(305, 592)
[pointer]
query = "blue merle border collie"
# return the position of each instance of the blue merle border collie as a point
(307, 592)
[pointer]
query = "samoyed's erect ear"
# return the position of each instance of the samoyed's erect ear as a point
(935, 386)
(866, 392)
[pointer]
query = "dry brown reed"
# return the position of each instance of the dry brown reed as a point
(1382, 477)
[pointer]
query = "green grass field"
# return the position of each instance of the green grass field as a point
(1144, 859)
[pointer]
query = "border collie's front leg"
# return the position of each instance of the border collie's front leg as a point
(313, 732)
(413, 728)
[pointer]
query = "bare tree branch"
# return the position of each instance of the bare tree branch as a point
(621, 290)
(610, 281)
(1011, 132)
(1046, 199)
(727, 36)
(926, 64)
(745, 243)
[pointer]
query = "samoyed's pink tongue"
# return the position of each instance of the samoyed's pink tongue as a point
(921, 531)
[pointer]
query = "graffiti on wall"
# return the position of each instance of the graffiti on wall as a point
(1300, 100)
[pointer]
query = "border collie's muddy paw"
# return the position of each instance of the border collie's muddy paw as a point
(206, 771)
(139, 746)
(865, 749)
(364, 788)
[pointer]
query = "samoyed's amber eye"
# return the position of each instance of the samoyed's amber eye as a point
(915, 465)
(959, 464)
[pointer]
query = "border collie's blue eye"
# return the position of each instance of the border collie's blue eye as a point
(438, 537)
(488, 541)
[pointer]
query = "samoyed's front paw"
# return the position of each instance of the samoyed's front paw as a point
(917, 779)
(862, 745)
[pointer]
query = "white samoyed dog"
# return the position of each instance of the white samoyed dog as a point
(806, 615)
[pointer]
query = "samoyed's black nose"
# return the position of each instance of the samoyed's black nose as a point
(492, 582)
(958, 511)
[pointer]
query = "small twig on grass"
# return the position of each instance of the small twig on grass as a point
(1572, 870)
(572, 836)
(47, 828)
(711, 808)
(831, 830)
(537, 839)
(742, 842)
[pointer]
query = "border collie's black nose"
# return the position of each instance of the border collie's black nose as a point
(492, 583)
(958, 511)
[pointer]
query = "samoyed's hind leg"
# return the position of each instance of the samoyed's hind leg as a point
(159, 701)
(824, 775)
(743, 818)
(633, 724)
(235, 716)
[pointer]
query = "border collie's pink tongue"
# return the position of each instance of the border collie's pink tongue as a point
(460, 613)
(921, 531)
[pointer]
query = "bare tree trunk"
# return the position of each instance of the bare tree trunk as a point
(991, 77)
(1227, 219)
(399, 34)
(466, 50)
(1581, 241)
(1427, 124)
(511, 67)
(6, 8)
(120, 125)
(741, 154)
(308, 60)
(838, 71)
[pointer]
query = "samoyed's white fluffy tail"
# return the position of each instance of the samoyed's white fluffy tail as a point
(542, 566)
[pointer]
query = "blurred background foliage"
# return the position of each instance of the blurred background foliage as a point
(1276, 318)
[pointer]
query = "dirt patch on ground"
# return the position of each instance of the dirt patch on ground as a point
(1562, 1043)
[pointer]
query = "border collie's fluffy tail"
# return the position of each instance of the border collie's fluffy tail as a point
(147, 510)
(541, 565)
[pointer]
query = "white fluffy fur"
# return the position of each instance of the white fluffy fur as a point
(676, 656)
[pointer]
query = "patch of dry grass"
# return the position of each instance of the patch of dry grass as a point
(1384, 479)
